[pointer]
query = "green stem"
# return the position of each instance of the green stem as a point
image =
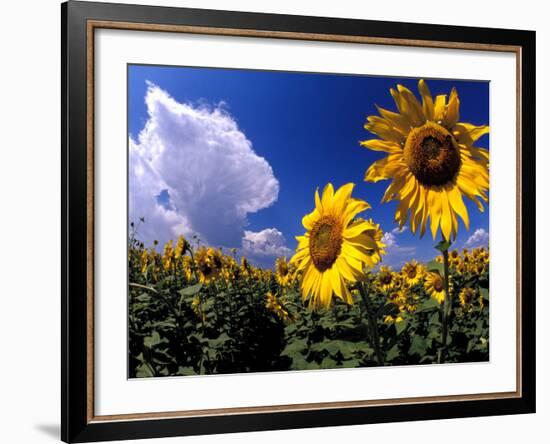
(446, 306)
(372, 323)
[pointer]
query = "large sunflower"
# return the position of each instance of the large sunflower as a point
(336, 247)
(431, 160)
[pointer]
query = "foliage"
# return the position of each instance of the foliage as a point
(202, 312)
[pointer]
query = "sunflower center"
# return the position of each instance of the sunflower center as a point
(411, 273)
(325, 242)
(438, 284)
(386, 278)
(432, 154)
(205, 269)
(468, 295)
(283, 269)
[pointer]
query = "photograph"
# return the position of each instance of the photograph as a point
(285, 221)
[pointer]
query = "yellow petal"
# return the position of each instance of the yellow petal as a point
(326, 199)
(382, 145)
(336, 281)
(308, 281)
(434, 205)
(427, 101)
(354, 207)
(400, 122)
(446, 218)
(318, 205)
(452, 114)
(309, 219)
(439, 107)
(455, 198)
(394, 187)
(399, 102)
(467, 134)
(356, 229)
(349, 251)
(413, 108)
(385, 168)
(342, 196)
(381, 128)
(345, 270)
(326, 290)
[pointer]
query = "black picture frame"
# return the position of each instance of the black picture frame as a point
(76, 423)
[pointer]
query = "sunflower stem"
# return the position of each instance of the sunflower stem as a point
(372, 323)
(446, 304)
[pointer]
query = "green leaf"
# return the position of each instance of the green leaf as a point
(434, 318)
(392, 353)
(298, 362)
(153, 340)
(220, 340)
(429, 305)
(443, 246)
(484, 293)
(351, 363)
(328, 362)
(143, 371)
(191, 290)
(400, 326)
(344, 347)
(435, 266)
(143, 297)
(295, 346)
(186, 371)
(418, 346)
(387, 309)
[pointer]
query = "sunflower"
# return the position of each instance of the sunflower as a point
(144, 261)
(386, 279)
(435, 286)
(431, 160)
(412, 272)
(393, 319)
(336, 248)
(181, 247)
(283, 272)
(168, 255)
(273, 305)
(187, 267)
(246, 268)
(209, 264)
(405, 301)
(467, 296)
(230, 268)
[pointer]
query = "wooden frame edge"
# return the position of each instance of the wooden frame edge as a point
(92, 25)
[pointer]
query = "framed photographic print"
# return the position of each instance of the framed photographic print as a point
(276, 221)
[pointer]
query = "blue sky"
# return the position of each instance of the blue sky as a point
(307, 126)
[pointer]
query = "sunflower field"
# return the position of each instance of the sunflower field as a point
(199, 311)
(195, 309)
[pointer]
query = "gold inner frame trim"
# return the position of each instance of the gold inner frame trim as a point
(92, 25)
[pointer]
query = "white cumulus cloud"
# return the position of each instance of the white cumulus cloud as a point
(205, 164)
(398, 230)
(266, 243)
(396, 254)
(389, 239)
(478, 239)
